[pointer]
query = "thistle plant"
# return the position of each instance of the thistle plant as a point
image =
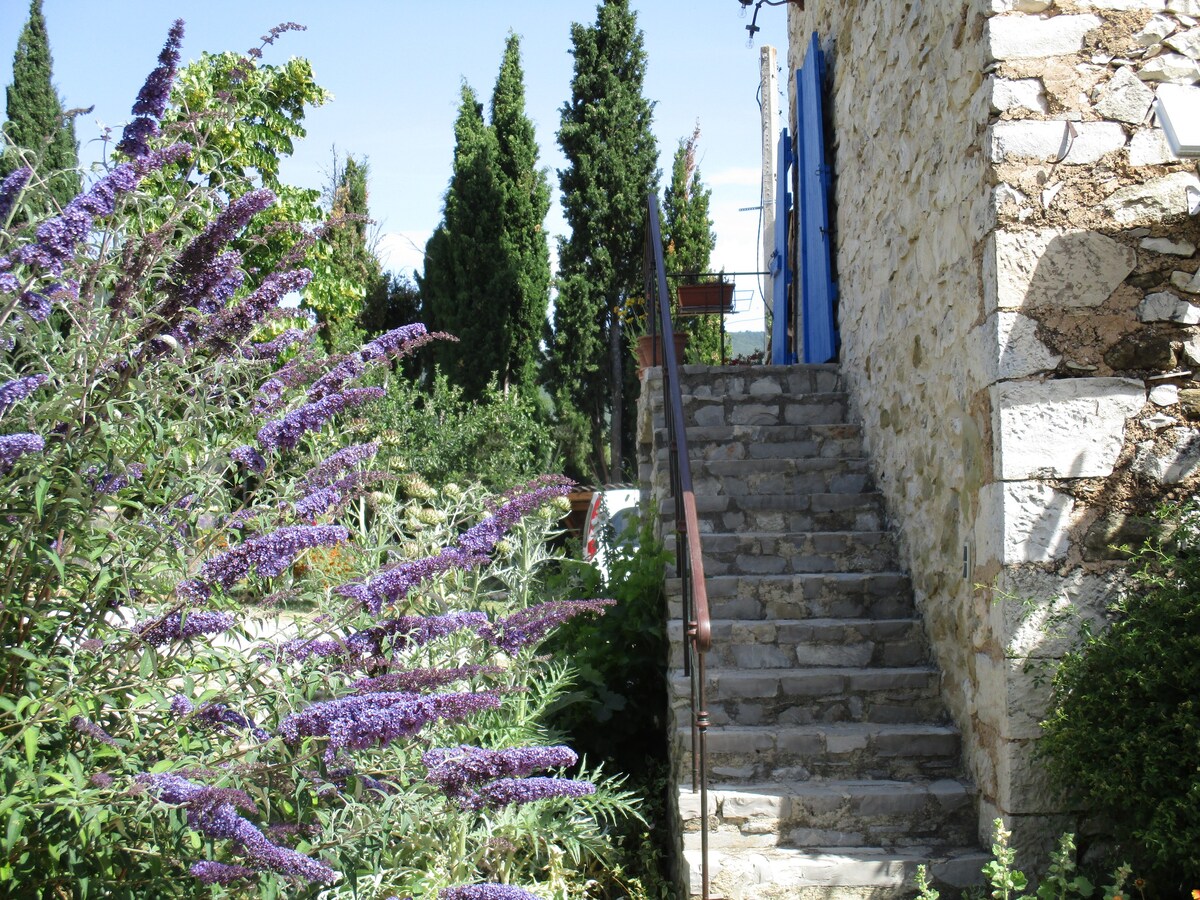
(235, 657)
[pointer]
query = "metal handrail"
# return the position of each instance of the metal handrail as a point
(689, 563)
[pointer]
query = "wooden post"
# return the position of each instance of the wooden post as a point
(769, 83)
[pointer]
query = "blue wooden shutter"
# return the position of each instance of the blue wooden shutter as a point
(782, 353)
(816, 269)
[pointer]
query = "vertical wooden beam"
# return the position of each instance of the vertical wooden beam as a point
(769, 90)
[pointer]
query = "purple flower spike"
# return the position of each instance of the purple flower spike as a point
(14, 446)
(249, 457)
(417, 680)
(11, 188)
(518, 791)
(213, 812)
(178, 626)
(269, 554)
(220, 716)
(486, 892)
(285, 433)
(209, 872)
(152, 99)
(405, 631)
(92, 730)
(459, 769)
(369, 720)
(330, 468)
(19, 389)
(272, 348)
(530, 625)
(181, 706)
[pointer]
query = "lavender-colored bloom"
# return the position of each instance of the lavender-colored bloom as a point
(234, 324)
(369, 720)
(152, 99)
(218, 715)
(181, 706)
(14, 446)
(456, 770)
(112, 482)
(418, 680)
(269, 554)
(472, 549)
(330, 468)
(92, 730)
(213, 812)
(518, 791)
(348, 368)
(192, 591)
(486, 892)
(101, 780)
(9, 283)
(19, 389)
(285, 433)
(396, 342)
(405, 631)
(209, 872)
(528, 626)
(56, 241)
(159, 159)
(179, 626)
(249, 457)
(11, 188)
(336, 495)
(272, 348)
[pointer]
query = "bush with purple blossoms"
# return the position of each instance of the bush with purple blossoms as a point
(229, 640)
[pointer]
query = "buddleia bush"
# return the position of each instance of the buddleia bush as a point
(239, 658)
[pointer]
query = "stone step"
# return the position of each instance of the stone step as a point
(731, 442)
(772, 553)
(938, 813)
(778, 873)
(754, 380)
(825, 408)
(783, 512)
(814, 695)
(774, 477)
(855, 750)
(851, 595)
(784, 643)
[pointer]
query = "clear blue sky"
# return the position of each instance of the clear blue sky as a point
(395, 68)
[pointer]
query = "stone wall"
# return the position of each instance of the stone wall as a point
(1018, 312)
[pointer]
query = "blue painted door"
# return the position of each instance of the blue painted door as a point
(818, 291)
(782, 351)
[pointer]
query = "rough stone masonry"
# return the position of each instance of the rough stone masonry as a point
(1015, 246)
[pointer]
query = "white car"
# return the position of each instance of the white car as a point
(611, 512)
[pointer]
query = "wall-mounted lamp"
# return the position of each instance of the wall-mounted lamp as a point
(758, 4)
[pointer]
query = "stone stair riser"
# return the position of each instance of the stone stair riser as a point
(822, 642)
(760, 381)
(743, 755)
(851, 595)
(786, 554)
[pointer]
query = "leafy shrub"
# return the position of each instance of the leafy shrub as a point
(1124, 732)
(232, 663)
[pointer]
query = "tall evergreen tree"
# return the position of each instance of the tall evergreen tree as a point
(688, 242)
(36, 123)
(523, 292)
(346, 254)
(465, 267)
(611, 169)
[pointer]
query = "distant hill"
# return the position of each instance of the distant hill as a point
(745, 342)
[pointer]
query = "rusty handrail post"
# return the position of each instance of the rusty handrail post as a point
(688, 556)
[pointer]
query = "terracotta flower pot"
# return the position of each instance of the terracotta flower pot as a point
(711, 297)
(649, 350)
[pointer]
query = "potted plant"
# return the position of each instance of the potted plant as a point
(705, 297)
(646, 348)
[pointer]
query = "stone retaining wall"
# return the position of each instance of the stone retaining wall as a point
(1019, 312)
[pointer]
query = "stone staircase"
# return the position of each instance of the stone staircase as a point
(834, 769)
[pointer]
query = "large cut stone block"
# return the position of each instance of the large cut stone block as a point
(1069, 428)
(1029, 37)
(1039, 615)
(1069, 143)
(1007, 346)
(1154, 200)
(1048, 267)
(1022, 521)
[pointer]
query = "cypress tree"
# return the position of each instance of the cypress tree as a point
(688, 242)
(35, 114)
(523, 290)
(464, 264)
(611, 169)
(358, 271)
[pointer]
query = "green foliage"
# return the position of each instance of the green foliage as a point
(611, 169)
(496, 440)
(487, 267)
(36, 124)
(1123, 735)
(463, 264)
(688, 242)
